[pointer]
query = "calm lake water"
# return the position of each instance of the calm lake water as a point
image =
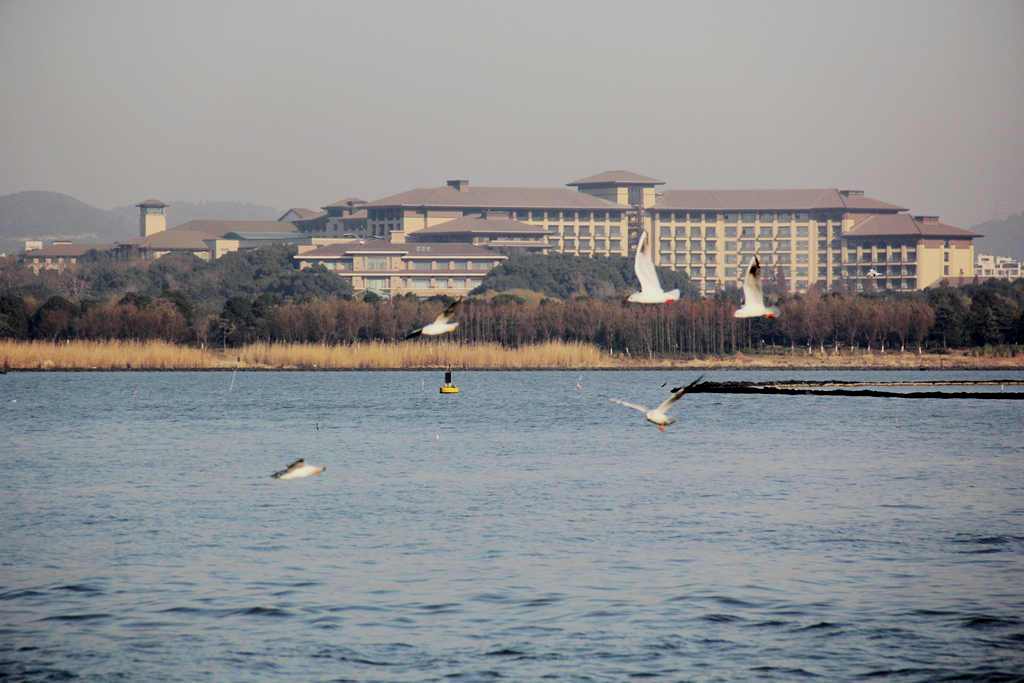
(523, 529)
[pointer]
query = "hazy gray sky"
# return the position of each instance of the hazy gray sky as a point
(300, 103)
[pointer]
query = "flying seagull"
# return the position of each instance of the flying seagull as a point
(650, 288)
(443, 323)
(298, 470)
(657, 416)
(753, 295)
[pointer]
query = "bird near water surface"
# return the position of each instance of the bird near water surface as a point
(659, 416)
(299, 470)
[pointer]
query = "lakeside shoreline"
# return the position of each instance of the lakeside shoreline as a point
(119, 356)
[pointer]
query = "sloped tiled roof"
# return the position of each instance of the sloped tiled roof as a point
(769, 200)
(617, 178)
(170, 240)
(345, 201)
(412, 250)
(302, 213)
(862, 203)
(242, 235)
(479, 225)
(901, 224)
(66, 250)
(474, 196)
(151, 203)
(216, 228)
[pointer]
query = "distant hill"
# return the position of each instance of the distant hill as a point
(25, 215)
(50, 215)
(1002, 238)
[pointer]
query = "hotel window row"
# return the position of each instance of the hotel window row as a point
(745, 217)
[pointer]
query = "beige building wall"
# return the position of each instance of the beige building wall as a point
(151, 221)
(220, 247)
(621, 194)
(714, 248)
(396, 275)
(939, 258)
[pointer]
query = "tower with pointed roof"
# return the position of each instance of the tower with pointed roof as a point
(152, 217)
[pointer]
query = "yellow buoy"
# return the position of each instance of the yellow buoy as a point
(448, 387)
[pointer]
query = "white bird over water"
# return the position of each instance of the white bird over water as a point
(650, 287)
(658, 416)
(753, 295)
(442, 324)
(299, 470)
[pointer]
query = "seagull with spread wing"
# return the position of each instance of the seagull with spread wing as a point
(650, 287)
(442, 324)
(753, 295)
(658, 416)
(299, 470)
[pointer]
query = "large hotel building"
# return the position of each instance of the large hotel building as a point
(838, 238)
(444, 240)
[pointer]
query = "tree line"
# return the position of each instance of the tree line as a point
(258, 296)
(939, 318)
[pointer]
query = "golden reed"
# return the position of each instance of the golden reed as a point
(158, 355)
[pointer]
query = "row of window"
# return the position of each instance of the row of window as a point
(586, 245)
(569, 216)
(706, 217)
(55, 259)
(734, 231)
(731, 259)
(882, 257)
(381, 263)
(746, 216)
(449, 265)
(440, 282)
(584, 231)
(384, 283)
(887, 284)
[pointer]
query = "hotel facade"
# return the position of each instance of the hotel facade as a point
(444, 240)
(833, 237)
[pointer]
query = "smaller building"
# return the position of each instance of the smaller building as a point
(345, 217)
(59, 255)
(900, 251)
(210, 239)
(1000, 267)
(420, 268)
(496, 230)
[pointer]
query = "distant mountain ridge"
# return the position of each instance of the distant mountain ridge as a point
(24, 215)
(37, 214)
(1001, 238)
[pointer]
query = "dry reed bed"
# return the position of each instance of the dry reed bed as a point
(157, 355)
(425, 354)
(105, 355)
